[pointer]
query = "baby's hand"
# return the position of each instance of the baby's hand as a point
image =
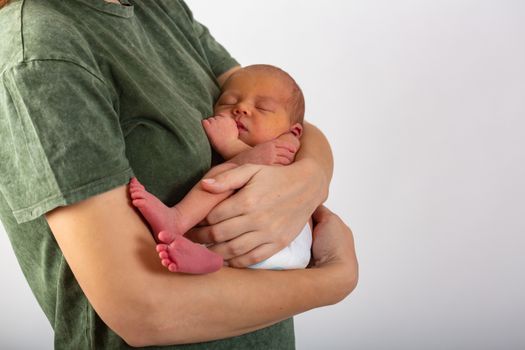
(274, 152)
(222, 132)
(291, 139)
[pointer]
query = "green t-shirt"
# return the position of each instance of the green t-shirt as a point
(90, 94)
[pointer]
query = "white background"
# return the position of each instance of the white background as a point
(424, 105)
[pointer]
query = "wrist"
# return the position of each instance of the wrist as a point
(333, 282)
(235, 147)
(310, 169)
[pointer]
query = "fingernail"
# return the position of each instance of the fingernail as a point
(209, 181)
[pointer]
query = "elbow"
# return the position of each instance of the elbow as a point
(146, 326)
(133, 332)
(135, 323)
(138, 335)
(135, 339)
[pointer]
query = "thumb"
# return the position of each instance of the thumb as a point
(321, 213)
(231, 179)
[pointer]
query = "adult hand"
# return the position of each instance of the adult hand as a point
(333, 249)
(265, 215)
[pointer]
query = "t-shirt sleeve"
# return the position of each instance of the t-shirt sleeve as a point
(60, 137)
(218, 57)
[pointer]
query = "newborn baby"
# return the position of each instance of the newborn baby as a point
(259, 105)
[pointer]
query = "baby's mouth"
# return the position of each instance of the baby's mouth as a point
(240, 126)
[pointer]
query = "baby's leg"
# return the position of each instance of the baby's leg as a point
(178, 219)
(197, 204)
(182, 255)
(157, 214)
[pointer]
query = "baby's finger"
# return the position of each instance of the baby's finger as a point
(283, 160)
(285, 144)
(284, 149)
(285, 153)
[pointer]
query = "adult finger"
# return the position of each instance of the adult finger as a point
(231, 179)
(239, 204)
(321, 214)
(239, 246)
(220, 232)
(254, 256)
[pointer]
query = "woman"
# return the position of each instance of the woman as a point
(92, 93)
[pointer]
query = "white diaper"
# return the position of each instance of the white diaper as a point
(294, 256)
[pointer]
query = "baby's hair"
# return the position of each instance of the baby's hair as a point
(3, 2)
(295, 103)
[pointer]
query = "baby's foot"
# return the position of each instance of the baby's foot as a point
(157, 214)
(182, 255)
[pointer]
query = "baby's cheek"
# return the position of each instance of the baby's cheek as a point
(222, 113)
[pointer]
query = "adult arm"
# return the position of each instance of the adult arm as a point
(315, 147)
(146, 305)
(221, 79)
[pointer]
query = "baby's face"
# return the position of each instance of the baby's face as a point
(257, 102)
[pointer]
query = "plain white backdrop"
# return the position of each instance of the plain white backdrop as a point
(424, 105)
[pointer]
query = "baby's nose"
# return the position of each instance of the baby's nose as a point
(240, 110)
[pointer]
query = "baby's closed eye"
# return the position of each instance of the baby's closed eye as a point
(266, 107)
(227, 101)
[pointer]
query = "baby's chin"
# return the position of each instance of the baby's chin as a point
(244, 137)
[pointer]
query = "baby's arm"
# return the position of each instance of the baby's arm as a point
(224, 136)
(274, 152)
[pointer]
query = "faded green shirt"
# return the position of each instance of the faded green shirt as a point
(92, 93)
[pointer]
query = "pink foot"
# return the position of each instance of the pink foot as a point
(182, 255)
(157, 214)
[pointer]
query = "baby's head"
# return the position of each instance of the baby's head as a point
(265, 102)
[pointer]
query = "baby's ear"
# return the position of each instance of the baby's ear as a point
(297, 130)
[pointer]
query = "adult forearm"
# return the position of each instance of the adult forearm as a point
(315, 146)
(229, 303)
(224, 76)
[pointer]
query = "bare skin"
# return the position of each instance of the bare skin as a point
(239, 123)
